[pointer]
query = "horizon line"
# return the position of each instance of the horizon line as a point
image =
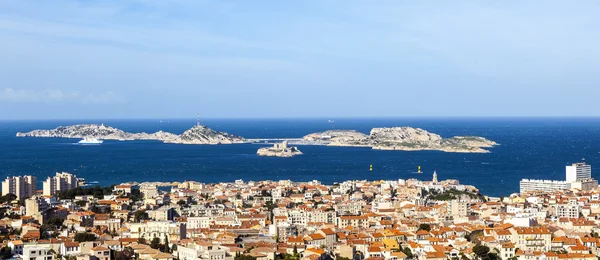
(307, 117)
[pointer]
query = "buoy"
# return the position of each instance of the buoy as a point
(419, 169)
(371, 167)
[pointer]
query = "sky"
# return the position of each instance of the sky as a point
(307, 58)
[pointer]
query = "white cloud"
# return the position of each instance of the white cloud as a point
(49, 96)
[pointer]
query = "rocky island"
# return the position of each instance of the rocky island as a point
(279, 150)
(403, 139)
(196, 135)
(387, 138)
(200, 134)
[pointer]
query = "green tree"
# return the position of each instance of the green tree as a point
(155, 243)
(141, 240)
(5, 253)
(55, 222)
(135, 195)
(140, 215)
(181, 202)
(480, 250)
(8, 198)
(425, 227)
(407, 252)
(166, 248)
(84, 237)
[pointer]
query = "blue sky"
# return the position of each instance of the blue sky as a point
(166, 59)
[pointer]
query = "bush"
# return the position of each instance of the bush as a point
(480, 250)
(97, 191)
(84, 237)
(8, 198)
(425, 227)
(141, 215)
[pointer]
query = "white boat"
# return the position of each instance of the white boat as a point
(90, 141)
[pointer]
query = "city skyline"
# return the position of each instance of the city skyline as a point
(172, 59)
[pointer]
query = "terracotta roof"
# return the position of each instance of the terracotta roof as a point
(100, 248)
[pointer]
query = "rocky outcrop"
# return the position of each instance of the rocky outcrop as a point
(81, 131)
(195, 135)
(203, 135)
(339, 138)
(404, 139)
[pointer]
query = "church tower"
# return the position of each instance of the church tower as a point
(435, 180)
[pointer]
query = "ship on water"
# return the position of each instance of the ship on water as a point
(88, 140)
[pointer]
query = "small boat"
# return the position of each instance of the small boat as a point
(90, 141)
(419, 170)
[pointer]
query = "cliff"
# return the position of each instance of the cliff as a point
(195, 135)
(404, 139)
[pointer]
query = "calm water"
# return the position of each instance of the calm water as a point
(530, 147)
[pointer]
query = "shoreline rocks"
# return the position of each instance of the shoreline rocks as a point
(196, 135)
(383, 138)
(403, 139)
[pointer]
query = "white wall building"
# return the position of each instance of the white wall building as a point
(37, 252)
(570, 210)
(578, 171)
(584, 184)
(543, 185)
(60, 182)
(160, 229)
(199, 222)
(21, 186)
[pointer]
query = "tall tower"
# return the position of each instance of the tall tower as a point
(578, 171)
(198, 120)
(435, 180)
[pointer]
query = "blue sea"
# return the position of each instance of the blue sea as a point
(529, 148)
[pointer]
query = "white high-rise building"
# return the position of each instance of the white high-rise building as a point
(60, 182)
(21, 186)
(578, 172)
(543, 185)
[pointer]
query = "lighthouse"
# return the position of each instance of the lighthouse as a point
(435, 180)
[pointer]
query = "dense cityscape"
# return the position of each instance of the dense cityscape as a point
(268, 220)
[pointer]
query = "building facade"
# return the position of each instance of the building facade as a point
(578, 171)
(21, 186)
(543, 185)
(60, 182)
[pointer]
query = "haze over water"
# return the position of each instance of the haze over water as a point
(530, 148)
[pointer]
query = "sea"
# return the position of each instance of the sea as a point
(536, 148)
